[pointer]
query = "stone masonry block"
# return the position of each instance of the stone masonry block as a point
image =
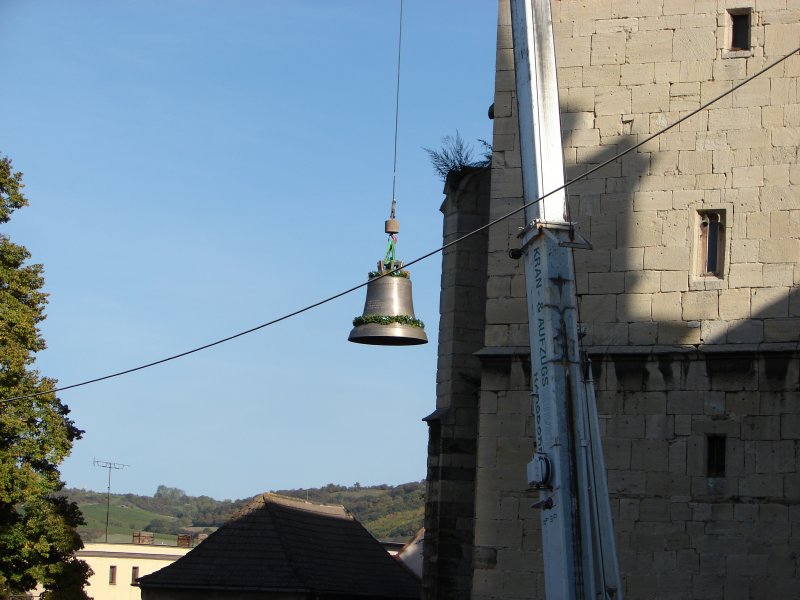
(639, 229)
(779, 197)
(633, 307)
(782, 330)
(779, 39)
(745, 275)
(713, 332)
(678, 332)
(612, 334)
(650, 98)
(649, 46)
(748, 177)
(596, 261)
(626, 427)
(733, 69)
(578, 99)
(574, 52)
(674, 281)
(627, 259)
(694, 44)
(760, 486)
(694, 162)
(744, 251)
(746, 332)
(598, 307)
(640, 334)
(606, 283)
(666, 306)
(782, 224)
(678, 7)
(612, 100)
(721, 119)
(645, 403)
(659, 426)
(642, 282)
(571, 77)
(734, 304)
(667, 259)
(769, 302)
(761, 427)
(757, 226)
(636, 74)
(679, 140)
(674, 229)
(779, 251)
(695, 70)
(577, 120)
(667, 72)
(617, 453)
(652, 201)
(608, 48)
(580, 138)
(748, 138)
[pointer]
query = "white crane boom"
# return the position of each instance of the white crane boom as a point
(567, 467)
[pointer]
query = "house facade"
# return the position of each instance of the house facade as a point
(115, 567)
(689, 307)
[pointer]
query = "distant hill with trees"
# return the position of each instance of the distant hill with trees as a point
(388, 512)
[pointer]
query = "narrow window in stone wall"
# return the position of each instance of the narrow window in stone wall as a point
(711, 246)
(112, 575)
(715, 466)
(134, 574)
(739, 20)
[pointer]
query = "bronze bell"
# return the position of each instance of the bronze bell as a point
(388, 318)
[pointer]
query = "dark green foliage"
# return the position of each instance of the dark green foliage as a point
(401, 273)
(38, 535)
(163, 525)
(455, 155)
(389, 512)
(11, 197)
(168, 511)
(388, 320)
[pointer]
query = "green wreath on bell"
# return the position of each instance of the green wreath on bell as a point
(388, 320)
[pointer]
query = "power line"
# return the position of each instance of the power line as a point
(424, 256)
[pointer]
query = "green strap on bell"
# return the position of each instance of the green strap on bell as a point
(391, 252)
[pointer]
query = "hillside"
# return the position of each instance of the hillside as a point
(388, 512)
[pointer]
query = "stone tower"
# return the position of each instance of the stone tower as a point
(689, 305)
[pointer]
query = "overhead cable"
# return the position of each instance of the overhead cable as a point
(424, 256)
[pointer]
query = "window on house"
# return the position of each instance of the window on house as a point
(715, 458)
(112, 575)
(739, 20)
(710, 245)
(134, 574)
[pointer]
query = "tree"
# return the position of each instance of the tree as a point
(38, 538)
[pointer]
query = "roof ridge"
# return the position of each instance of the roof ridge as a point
(331, 510)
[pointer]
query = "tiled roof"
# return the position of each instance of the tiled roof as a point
(284, 544)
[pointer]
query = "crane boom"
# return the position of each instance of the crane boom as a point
(567, 466)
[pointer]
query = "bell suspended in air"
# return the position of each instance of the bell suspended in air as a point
(388, 318)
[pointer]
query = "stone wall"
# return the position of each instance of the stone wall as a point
(450, 493)
(688, 363)
(685, 527)
(626, 70)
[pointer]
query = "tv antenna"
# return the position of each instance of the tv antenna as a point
(108, 465)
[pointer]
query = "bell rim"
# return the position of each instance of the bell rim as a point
(394, 334)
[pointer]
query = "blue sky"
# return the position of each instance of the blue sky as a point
(196, 168)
